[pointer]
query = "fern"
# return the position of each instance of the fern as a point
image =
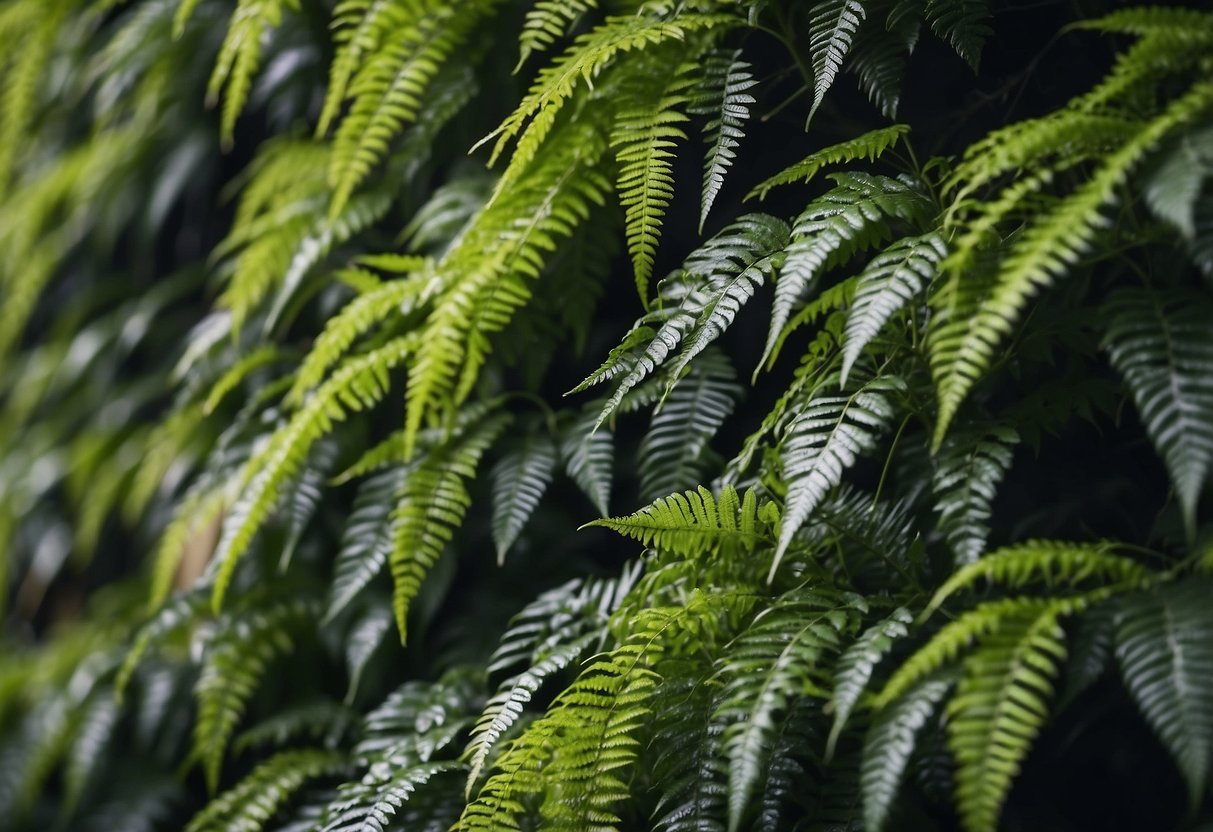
(724, 95)
(690, 524)
(969, 469)
(869, 146)
(546, 22)
(826, 438)
(519, 480)
(832, 27)
(253, 802)
(589, 456)
(855, 667)
(1159, 342)
(962, 23)
(1162, 646)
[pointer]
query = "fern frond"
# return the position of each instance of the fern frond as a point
(644, 136)
(963, 346)
(826, 438)
(1173, 187)
(832, 27)
(724, 95)
(91, 745)
(690, 768)
(1164, 644)
(1160, 342)
(962, 23)
(693, 524)
(1001, 702)
(878, 59)
(358, 384)
(589, 459)
(366, 541)
(240, 56)
(855, 667)
(236, 662)
(855, 215)
(776, 660)
(869, 146)
(371, 804)
(548, 21)
(431, 505)
(1048, 562)
(969, 468)
(359, 29)
(890, 745)
(19, 96)
(887, 284)
(520, 478)
(321, 720)
(251, 803)
(671, 451)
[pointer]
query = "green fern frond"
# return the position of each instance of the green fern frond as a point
(832, 27)
(240, 56)
(780, 657)
(371, 804)
(358, 384)
(251, 803)
(724, 95)
(962, 23)
(855, 215)
(1160, 342)
(20, 79)
(856, 665)
(671, 451)
(644, 136)
(547, 21)
(321, 720)
(234, 665)
(1163, 644)
(869, 146)
(520, 478)
(878, 59)
(827, 437)
(695, 523)
(94, 737)
(887, 285)
(1001, 702)
(588, 455)
(367, 540)
(1048, 562)
(969, 468)
(962, 347)
(359, 29)
(431, 506)
(890, 745)
(172, 618)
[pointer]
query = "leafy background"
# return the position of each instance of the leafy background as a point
(643, 414)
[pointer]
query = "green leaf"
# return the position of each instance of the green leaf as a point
(520, 478)
(832, 27)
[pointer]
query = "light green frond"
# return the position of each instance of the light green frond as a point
(644, 137)
(969, 468)
(1164, 644)
(963, 24)
(693, 524)
(520, 478)
(1161, 343)
(832, 27)
(547, 21)
(830, 432)
(879, 58)
(253, 802)
(723, 95)
(869, 146)
(430, 507)
(359, 29)
(890, 281)
(1174, 186)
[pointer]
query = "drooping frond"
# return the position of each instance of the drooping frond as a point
(690, 769)
(854, 215)
(692, 524)
(869, 146)
(588, 453)
(890, 745)
(1047, 562)
(367, 539)
(251, 803)
(356, 385)
(547, 21)
(828, 435)
(233, 667)
(1001, 702)
(855, 667)
(671, 453)
(887, 285)
(832, 27)
(520, 478)
(1161, 343)
(783, 655)
(969, 468)
(644, 137)
(724, 95)
(879, 58)
(239, 58)
(1164, 644)
(963, 24)
(431, 505)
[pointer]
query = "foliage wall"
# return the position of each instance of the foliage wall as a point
(605, 414)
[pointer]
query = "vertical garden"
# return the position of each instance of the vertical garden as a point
(686, 415)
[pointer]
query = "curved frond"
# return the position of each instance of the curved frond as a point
(969, 468)
(724, 95)
(855, 667)
(869, 146)
(520, 478)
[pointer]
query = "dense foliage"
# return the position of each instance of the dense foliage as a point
(895, 320)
